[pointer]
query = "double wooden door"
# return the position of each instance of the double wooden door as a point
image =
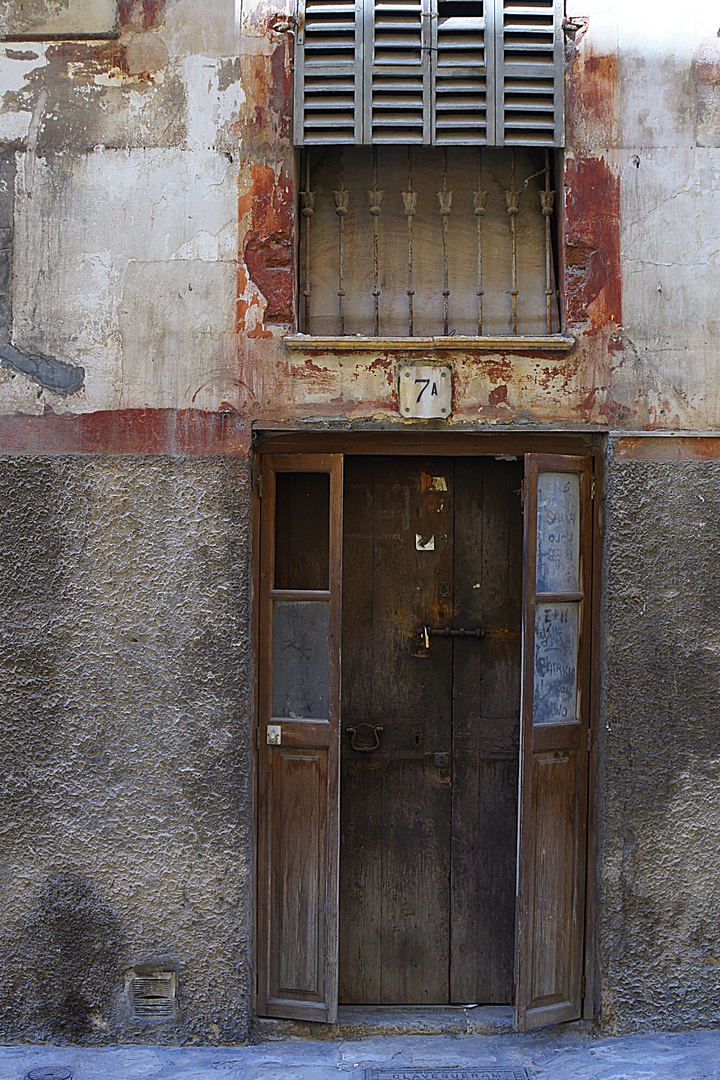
(430, 729)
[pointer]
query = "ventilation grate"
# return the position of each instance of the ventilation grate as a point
(154, 994)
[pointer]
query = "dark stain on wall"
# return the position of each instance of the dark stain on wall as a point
(46, 371)
(7, 189)
(659, 747)
(74, 950)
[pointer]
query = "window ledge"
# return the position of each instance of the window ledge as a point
(554, 343)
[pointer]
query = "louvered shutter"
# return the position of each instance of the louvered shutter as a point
(529, 73)
(329, 73)
(463, 48)
(397, 72)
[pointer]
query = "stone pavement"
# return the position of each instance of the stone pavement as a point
(550, 1055)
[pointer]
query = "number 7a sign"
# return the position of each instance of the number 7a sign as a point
(425, 392)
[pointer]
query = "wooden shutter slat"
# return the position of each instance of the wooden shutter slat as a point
(328, 74)
(529, 63)
(397, 72)
(463, 53)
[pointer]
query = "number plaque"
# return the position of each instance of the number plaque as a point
(425, 392)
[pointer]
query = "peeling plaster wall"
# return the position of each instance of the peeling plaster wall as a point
(659, 745)
(126, 779)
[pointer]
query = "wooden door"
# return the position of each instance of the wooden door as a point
(554, 740)
(429, 731)
(298, 709)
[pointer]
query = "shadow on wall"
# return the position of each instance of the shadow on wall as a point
(62, 969)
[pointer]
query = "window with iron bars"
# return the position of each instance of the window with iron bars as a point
(429, 131)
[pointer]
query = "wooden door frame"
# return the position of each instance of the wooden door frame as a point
(411, 443)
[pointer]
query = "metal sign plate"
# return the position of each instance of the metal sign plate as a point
(449, 1072)
(425, 391)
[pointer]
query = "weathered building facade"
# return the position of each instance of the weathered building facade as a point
(157, 357)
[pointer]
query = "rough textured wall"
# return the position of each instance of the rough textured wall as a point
(659, 744)
(125, 212)
(126, 776)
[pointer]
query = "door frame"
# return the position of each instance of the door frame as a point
(411, 443)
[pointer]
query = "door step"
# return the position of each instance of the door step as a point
(360, 1021)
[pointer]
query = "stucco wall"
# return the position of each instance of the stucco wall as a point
(126, 779)
(154, 217)
(659, 747)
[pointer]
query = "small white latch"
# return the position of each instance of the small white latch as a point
(274, 734)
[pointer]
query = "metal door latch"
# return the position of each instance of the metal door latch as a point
(449, 631)
(365, 737)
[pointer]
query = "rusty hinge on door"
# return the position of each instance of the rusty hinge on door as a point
(257, 476)
(592, 486)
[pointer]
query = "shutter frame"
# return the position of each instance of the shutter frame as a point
(328, 73)
(531, 77)
(397, 79)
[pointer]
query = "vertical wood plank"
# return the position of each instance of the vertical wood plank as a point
(361, 775)
(488, 542)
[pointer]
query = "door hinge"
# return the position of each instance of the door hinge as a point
(523, 490)
(257, 477)
(589, 739)
(592, 486)
(582, 987)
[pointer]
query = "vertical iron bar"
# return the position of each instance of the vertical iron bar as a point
(479, 203)
(547, 202)
(409, 202)
(307, 203)
(375, 198)
(341, 208)
(445, 200)
(512, 198)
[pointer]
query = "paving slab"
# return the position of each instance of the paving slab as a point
(549, 1055)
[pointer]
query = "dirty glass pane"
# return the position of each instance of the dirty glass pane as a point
(301, 659)
(302, 530)
(556, 654)
(558, 532)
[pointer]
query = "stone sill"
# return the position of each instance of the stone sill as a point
(555, 343)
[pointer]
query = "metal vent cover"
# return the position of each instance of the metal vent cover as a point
(445, 1072)
(49, 1072)
(153, 993)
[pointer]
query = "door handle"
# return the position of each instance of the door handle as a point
(365, 737)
